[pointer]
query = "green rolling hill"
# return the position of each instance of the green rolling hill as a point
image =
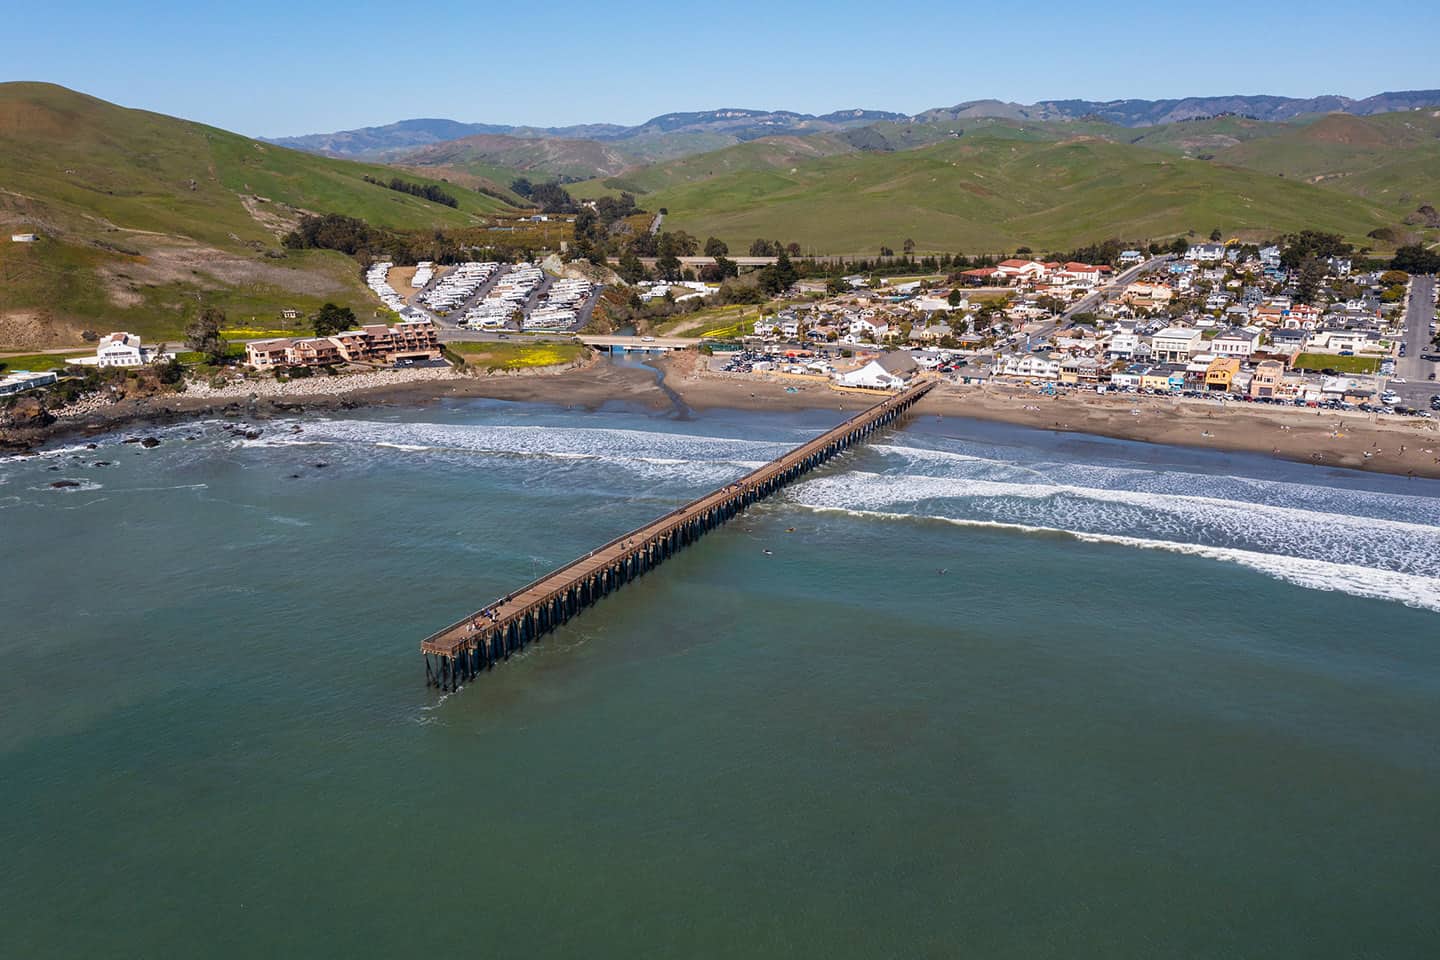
(143, 218)
(987, 192)
(1392, 159)
(752, 157)
(536, 158)
(1199, 137)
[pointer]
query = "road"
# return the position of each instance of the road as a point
(582, 316)
(1093, 300)
(480, 293)
(1413, 368)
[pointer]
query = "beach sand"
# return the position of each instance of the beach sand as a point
(1339, 439)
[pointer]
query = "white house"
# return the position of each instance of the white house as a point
(1206, 253)
(1175, 344)
(1122, 346)
(877, 328)
(119, 350)
(871, 375)
(889, 371)
(935, 304)
(1081, 274)
(1028, 365)
(22, 380)
(1235, 342)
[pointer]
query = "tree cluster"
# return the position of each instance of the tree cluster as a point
(203, 335)
(331, 319)
(773, 248)
(1415, 258)
(779, 276)
(425, 191)
(552, 198)
(1311, 244)
(359, 239)
(332, 231)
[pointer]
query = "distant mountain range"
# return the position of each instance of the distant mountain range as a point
(1145, 113)
(733, 126)
(676, 134)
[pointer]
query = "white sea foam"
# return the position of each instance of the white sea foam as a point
(1311, 496)
(1385, 544)
(1409, 589)
(264, 442)
(657, 455)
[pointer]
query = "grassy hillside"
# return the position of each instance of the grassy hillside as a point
(755, 156)
(1392, 160)
(1199, 137)
(982, 192)
(538, 158)
(146, 217)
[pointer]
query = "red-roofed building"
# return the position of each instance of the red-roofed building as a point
(1081, 274)
(1021, 269)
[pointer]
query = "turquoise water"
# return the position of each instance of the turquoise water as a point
(1159, 703)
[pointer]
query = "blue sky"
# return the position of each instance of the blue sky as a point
(265, 68)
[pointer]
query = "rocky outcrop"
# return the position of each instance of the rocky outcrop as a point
(28, 413)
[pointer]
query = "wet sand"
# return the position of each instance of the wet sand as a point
(1343, 439)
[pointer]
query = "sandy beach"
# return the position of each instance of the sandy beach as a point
(1347, 439)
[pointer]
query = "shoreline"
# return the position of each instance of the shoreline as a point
(1398, 446)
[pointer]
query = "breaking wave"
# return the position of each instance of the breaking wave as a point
(1367, 543)
(1361, 581)
(1396, 545)
(712, 458)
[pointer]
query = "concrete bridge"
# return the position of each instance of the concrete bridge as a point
(462, 650)
(622, 344)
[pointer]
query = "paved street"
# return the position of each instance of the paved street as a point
(1413, 368)
(1093, 300)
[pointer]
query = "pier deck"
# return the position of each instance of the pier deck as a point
(463, 649)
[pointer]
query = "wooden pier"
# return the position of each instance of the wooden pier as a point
(462, 650)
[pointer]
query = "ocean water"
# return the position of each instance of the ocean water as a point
(993, 692)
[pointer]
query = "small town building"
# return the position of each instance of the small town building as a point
(1268, 381)
(263, 354)
(22, 380)
(374, 343)
(119, 350)
(1176, 344)
(1122, 346)
(1163, 378)
(1235, 342)
(1079, 370)
(1221, 374)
